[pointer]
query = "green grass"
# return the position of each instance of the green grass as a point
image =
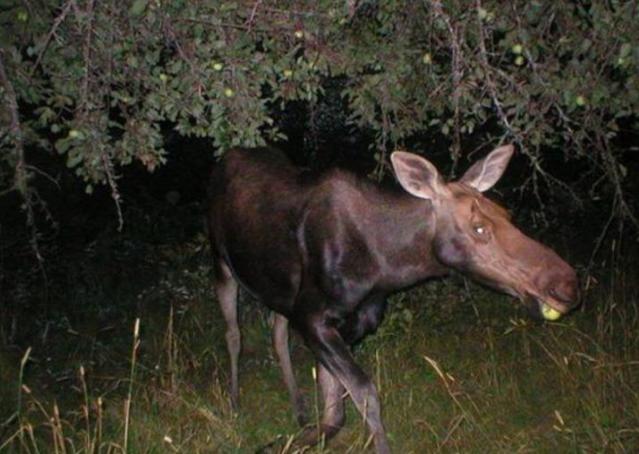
(459, 370)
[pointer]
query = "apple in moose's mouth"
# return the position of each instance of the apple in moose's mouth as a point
(549, 313)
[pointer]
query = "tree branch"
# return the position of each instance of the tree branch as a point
(490, 83)
(21, 177)
(457, 74)
(249, 22)
(86, 53)
(54, 28)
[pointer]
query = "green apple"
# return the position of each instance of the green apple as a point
(549, 313)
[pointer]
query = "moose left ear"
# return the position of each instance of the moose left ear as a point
(486, 172)
(417, 175)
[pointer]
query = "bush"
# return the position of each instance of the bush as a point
(97, 81)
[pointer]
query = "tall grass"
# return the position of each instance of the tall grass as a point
(458, 371)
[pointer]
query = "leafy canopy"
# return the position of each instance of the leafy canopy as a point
(96, 80)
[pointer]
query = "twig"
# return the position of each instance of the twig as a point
(115, 193)
(43, 174)
(21, 175)
(600, 238)
(84, 111)
(86, 53)
(170, 32)
(249, 22)
(15, 129)
(127, 402)
(620, 208)
(457, 74)
(353, 6)
(490, 83)
(56, 23)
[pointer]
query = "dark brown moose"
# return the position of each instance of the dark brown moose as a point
(324, 252)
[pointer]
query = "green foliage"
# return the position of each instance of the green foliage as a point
(96, 81)
(455, 374)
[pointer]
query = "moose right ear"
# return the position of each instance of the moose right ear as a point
(417, 175)
(486, 172)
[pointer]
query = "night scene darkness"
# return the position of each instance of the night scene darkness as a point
(341, 226)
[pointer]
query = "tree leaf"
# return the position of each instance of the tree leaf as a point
(138, 7)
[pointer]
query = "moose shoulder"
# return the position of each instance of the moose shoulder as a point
(325, 252)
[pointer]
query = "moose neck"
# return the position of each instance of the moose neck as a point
(400, 229)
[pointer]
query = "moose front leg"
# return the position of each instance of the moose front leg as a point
(365, 320)
(333, 353)
(333, 416)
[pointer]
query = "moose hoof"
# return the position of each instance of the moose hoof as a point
(301, 418)
(281, 444)
(313, 435)
(299, 410)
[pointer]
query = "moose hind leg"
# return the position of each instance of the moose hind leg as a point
(226, 289)
(281, 347)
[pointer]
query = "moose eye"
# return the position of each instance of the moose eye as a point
(480, 230)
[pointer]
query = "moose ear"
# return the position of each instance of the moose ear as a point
(486, 172)
(417, 175)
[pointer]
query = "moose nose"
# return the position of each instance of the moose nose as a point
(565, 291)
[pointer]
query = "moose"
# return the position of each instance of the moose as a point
(325, 251)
